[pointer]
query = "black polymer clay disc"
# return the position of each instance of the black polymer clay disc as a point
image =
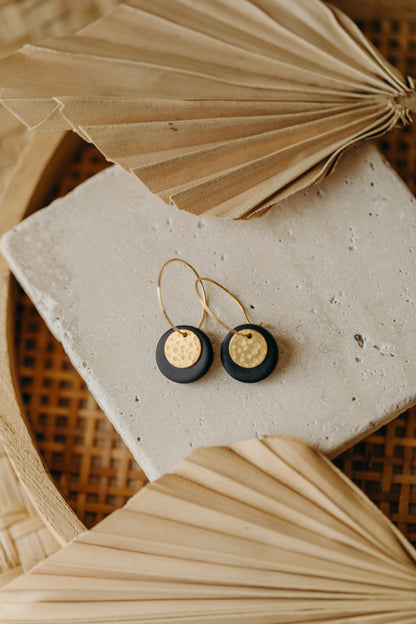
(257, 373)
(192, 373)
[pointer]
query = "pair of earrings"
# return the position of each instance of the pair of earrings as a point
(184, 353)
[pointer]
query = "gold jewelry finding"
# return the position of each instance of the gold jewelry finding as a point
(203, 299)
(206, 307)
(183, 353)
(249, 352)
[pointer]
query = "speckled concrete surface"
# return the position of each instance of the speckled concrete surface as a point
(331, 273)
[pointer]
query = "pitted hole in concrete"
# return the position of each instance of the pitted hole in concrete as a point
(359, 340)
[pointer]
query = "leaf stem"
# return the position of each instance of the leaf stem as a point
(408, 101)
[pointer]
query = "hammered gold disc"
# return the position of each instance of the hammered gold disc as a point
(248, 353)
(183, 351)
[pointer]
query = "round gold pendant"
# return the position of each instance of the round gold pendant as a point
(248, 352)
(182, 351)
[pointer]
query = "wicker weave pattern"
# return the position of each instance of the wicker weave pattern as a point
(92, 467)
(384, 466)
(24, 538)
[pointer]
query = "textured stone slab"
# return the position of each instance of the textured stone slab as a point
(331, 272)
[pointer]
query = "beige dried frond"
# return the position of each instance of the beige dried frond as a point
(31, 20)
(220, 107)
(264, 531)
(24, 537)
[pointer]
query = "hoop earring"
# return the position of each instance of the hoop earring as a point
(249, 352)
(184, 353)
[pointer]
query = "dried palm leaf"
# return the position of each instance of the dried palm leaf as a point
(24, 537)
(220, 107)
(260, 532)
(21, 22)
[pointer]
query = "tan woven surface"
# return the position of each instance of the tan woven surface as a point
(88, 460)
(369, 9)
(90, 463)
(384, 466)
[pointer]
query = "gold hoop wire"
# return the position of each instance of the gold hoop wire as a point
(159, 294)
(206, 307)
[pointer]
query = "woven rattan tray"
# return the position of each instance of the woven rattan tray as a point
(88, 462)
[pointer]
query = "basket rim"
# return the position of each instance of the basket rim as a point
(40, 161)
